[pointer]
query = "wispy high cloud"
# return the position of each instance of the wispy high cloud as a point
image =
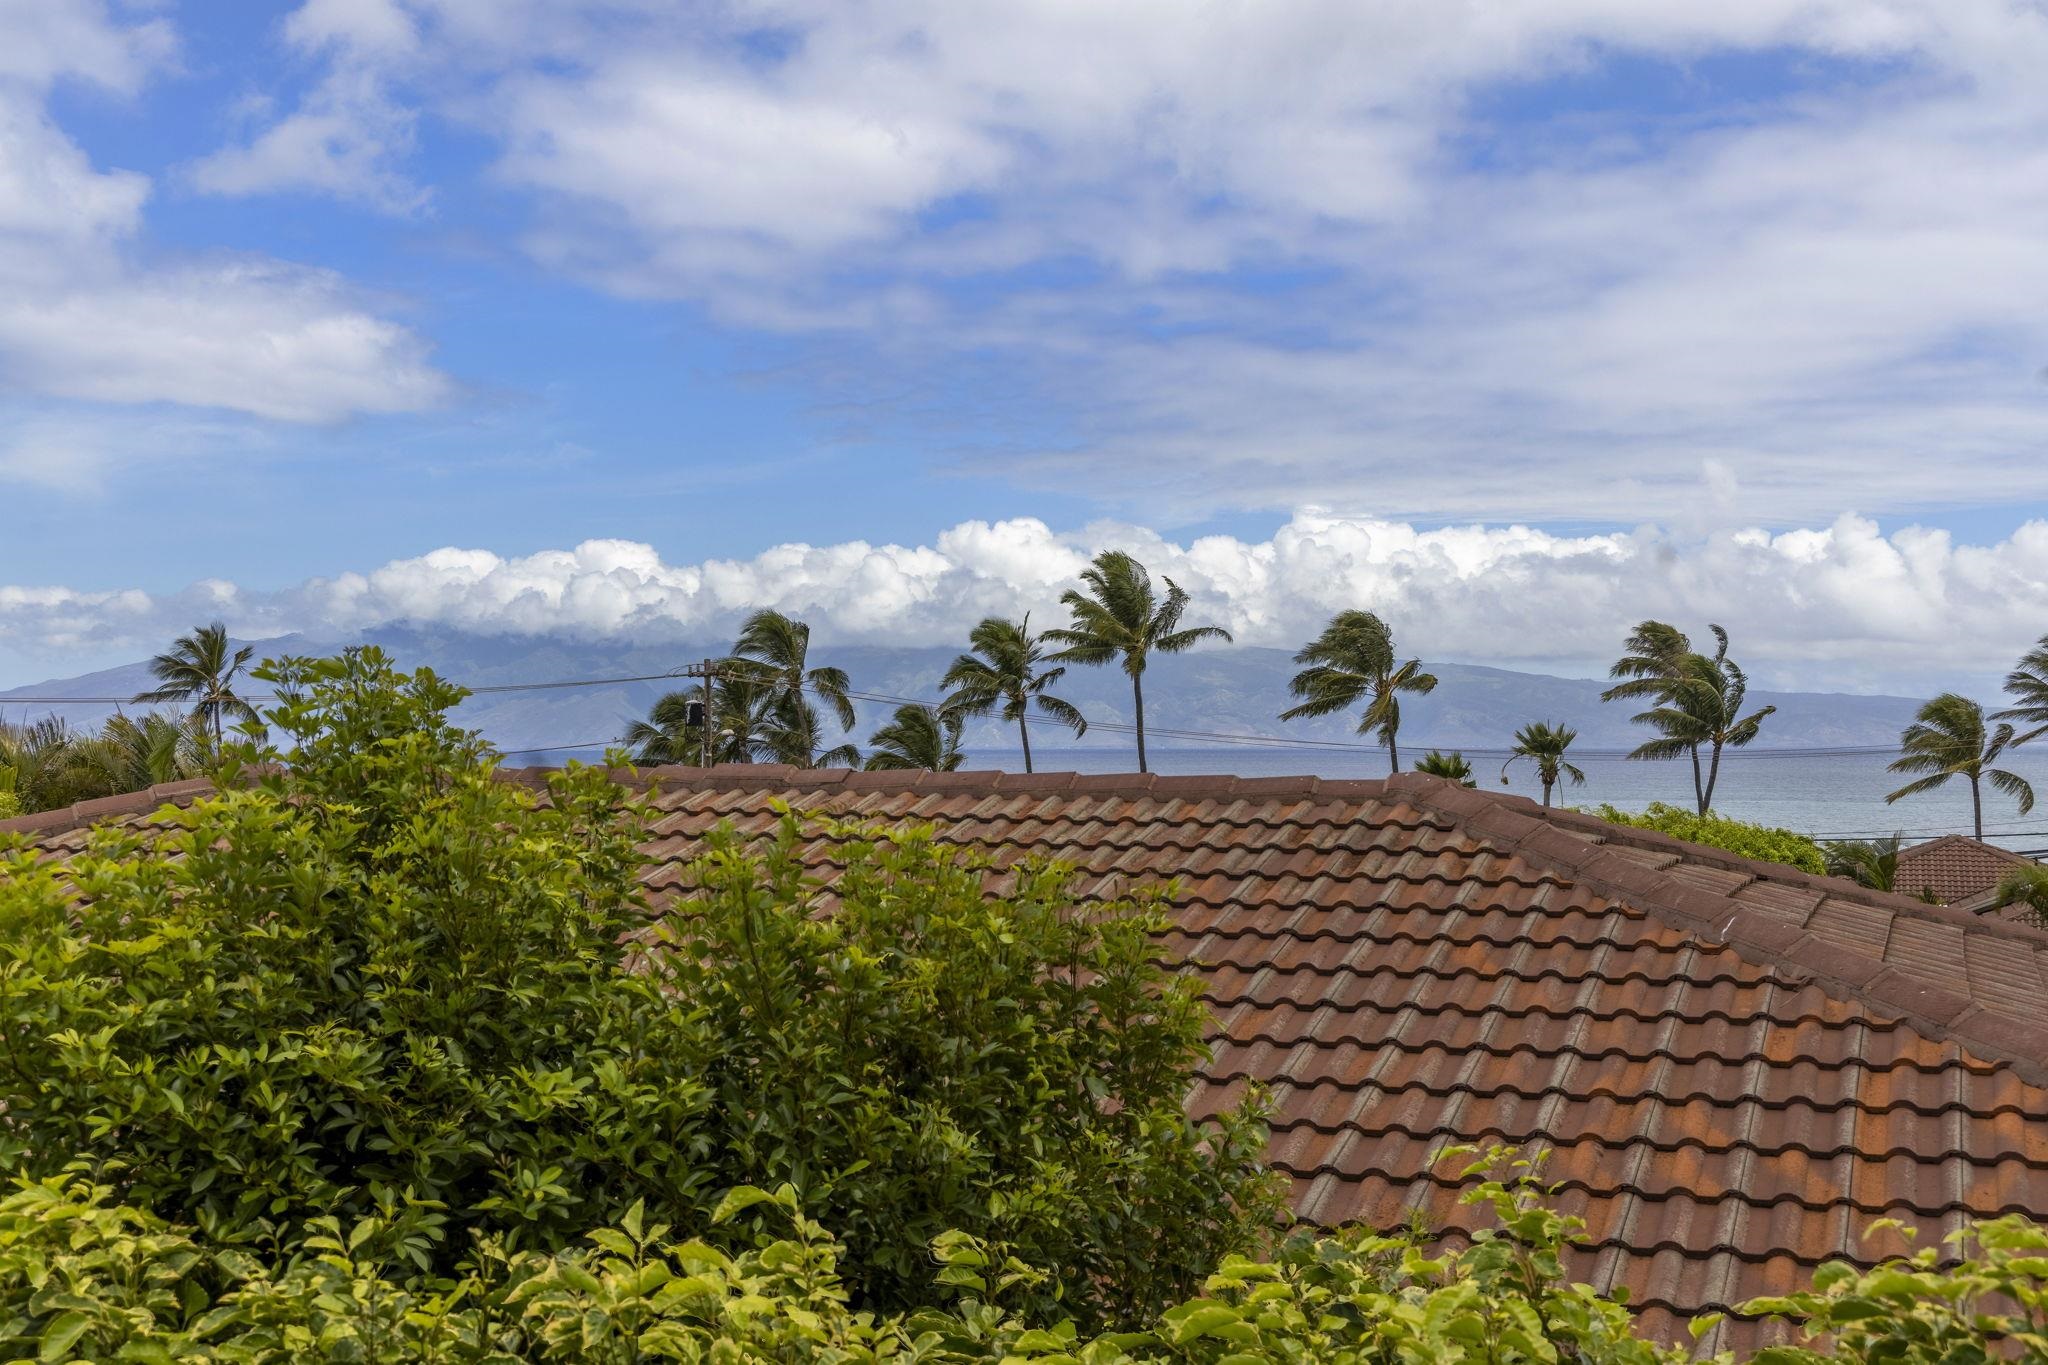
(1386, 257)
(1838, 605)
(87, 313)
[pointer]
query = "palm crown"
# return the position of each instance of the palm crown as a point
(2028, 685)
(1003, 671)
(917, 736)
(1120, 615)
(1353, 659)
(1949, 737)
(201, 669)
(1544, 745)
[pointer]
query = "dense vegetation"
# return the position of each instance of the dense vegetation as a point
(1737, 836)
(375, 1056)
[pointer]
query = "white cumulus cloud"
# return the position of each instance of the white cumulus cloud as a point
(1838, 605)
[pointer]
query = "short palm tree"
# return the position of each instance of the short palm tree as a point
(1871, 862)
(1544, 744)
(2027, 888)
(137, 753)
(2028, 686)
(1949, 737)
(739, 717)
(1699, 706)
(201, 669)
(917, 736)
(794, 734)
(1003, 671)
(1116, 613)
(1454, 766)
(1353, 659)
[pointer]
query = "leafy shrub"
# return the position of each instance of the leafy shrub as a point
(927, 1058)
(1762, 842)
(377, 983)
(82, 1278)
(380, 988)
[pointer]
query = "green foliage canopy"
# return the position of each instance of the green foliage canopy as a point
(1762, 842)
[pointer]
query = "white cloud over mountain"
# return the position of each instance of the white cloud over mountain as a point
(1841, 605)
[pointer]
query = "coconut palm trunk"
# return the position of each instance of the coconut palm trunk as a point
(1024, 737)
(1977, 806)
(1138, 707)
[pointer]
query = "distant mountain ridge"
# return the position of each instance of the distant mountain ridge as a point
(1234, 691)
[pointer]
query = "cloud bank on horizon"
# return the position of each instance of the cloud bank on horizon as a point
(1843, 606)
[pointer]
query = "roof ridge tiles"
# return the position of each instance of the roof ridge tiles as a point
(1940, 1013)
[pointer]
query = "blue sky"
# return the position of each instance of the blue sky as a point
(1521, 321)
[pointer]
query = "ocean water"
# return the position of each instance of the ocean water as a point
(1828, 795)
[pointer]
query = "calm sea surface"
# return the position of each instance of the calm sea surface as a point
(1828, 795)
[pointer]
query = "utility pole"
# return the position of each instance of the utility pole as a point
(710, 719)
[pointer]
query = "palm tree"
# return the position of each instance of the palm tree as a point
(1652, 661)
(135, 754)
(780, 645)
(1354, 658)
(1454, 766)
(1003, 671)
(200, 669)
(794, 735)
(2026, 887)
(918, 737)
(1700, 706)
(775, 649)
(1948, 738)
(1869, 862)
(741, 720)
(1120, 614)
(1544, 744)
(2028, 684)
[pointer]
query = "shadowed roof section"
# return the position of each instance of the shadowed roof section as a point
(1735, 1067)
(1956, 869)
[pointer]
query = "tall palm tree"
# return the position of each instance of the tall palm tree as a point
(1119, 614)
(1354, 658)
(1950, 738)
(1454, 766)
(1544, 744)
(917, 737)
(199, 668)
(775, 649)
(780, 646)
(1003, 671)
(2028, 684)
(1700, 707)
(1653, 660)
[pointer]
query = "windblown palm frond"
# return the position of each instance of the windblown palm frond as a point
(780, 645)
(2028, 686)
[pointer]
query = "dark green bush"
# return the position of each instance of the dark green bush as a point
(1762, 842)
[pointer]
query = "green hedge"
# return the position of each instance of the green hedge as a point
(1762, 842)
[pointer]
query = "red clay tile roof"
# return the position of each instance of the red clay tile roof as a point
(1734, 1066)
(1955, 868)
